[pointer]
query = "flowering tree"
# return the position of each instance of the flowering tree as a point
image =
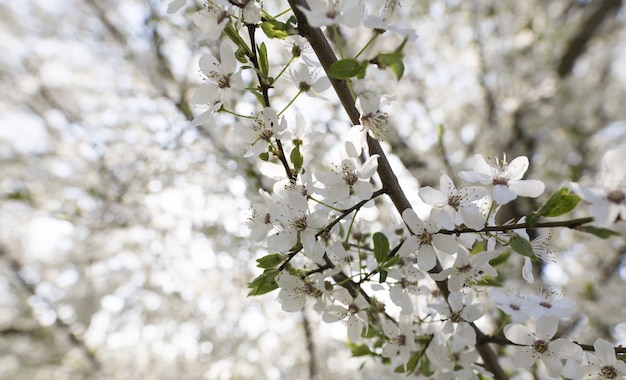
(373, 204)
(410, 289)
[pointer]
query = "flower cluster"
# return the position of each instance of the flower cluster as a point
(412, 288)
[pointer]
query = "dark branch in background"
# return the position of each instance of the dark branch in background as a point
(324, 52)
(310, 345)
(74, 339)
(578, 44)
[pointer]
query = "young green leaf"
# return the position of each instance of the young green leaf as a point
(265, 283)
(275, 29)
(264, 66)
(296, 158)
(559, 203)
(381, 246)
(600, 232)
(359, 349)
(270, 261)
(345, 69)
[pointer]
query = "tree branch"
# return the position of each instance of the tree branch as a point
(326, 55)
(578, 44)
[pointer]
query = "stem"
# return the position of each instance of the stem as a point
(284, 69)
(290, 103)
(573, 223)
(371, 41)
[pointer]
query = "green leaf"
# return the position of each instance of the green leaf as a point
(559, 203)
(264, 66)
(532, 218)
(382, 276)
(345, 69)
(381, 246)
(391, 262)
(265, 156)
(296, 158)
(359, 349)
(270, 261)
(241, 44)
(275, 29)
(522, 246)
(600, 232)
(265, 283)
(398, 69)
(500, 259)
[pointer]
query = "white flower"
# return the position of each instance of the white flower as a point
(608, 201)
(513, 304)
(459, 309)
(354, 310)
(453, 207)
(264, 128)
(373, 122)
(452, 356)
(408, 277)
(424, 241)
(309, 79)
(467, 271)
(334, 12)
(350, 181)
(221, 79)
(549, 302)
(603, 364)
(175, 5)
(401, 340)
(300, 48)
(541, 249)
(293, 291)
(381, 21)
(260, 220)
(505, 177)
(211, 21)
(539, 345)
(296, 223)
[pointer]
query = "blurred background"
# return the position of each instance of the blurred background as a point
(124, 251)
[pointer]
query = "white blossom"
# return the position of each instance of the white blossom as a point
(602, 363)
(453, 207)
(334, 12)
(505, 177)
(540, 345)
(425, 241)
(348, 181)
(467, 271)
(608, 200)
(353, 310)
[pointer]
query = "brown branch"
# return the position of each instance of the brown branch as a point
(326, 55)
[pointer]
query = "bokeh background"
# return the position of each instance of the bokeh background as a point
(124, 248)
